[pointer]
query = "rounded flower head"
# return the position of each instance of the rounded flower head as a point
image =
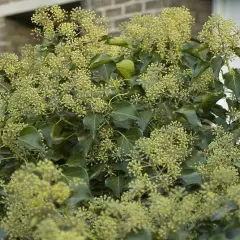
(221, 35)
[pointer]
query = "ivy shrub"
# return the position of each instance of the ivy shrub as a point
(121, 137)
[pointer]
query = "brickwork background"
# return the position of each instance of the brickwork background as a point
(15, 33)
(119, 11)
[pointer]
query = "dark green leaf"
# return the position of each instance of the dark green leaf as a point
(96, 170)
(85, 142)
(76, 160)
(105, 71)
(143, 234)
(126, 68)
(232, 82)
(53, 155)
(191, 179)
(75, 172)
(217, 64)
(144, 119)
(124, 111)
(56, 133)
(127, 140)
(223, 211)
(30, 138)
(182, 235)
(116, 183)
(3, 234)
(201, 67)
(2, 109)
(190, 114)
(122, 166)
(99, 60)
(92, 122)
(237, 51)
(233, 233)
(210, 99)
(80, 193)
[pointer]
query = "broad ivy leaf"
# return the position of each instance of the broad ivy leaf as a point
(144, 119)
(233, 233)
(99, 60)
(190, 114)
(76, 172)
(81, 192)
(57, 133)
(210, 99)
(202, 66)
(124, 111)
(182, 235)
(143, 234)
(126, 68)
(3, 234)
(96, 170)
(217, 64)
(197, 158)
(30, 138)
(2, 109)
(85, 142)
(77, 160)
(127, 140)
(116, 183)
(105, 71)
(237, 51)
(232, 82)
(191, 179)
(122, 166)
(224, 210)
(117, 41)
(92, 122)
(54, 155)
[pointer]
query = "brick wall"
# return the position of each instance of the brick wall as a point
(119, 11)
(14, 33)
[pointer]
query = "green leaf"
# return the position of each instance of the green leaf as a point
(2, 109)
(80, 193)
(31, 139)
(191, 179)
(210, 99)
(116, 183)
(202, 66)
(182, 235)
(76, 160)
(117, 41)
(54, 155)
(237, 51)
(217, 63)
(232, 82)
(3, 234)
(126, 68)
(85, 142)
(224, 210)
(127, 140)
(124, 111)
(92, 122)
(122, 166)
(106, 70)
(56, 133)
(190, 114)
(197, 158)
(143, 234)
(99, 60)
(75, 172)
(96, 170)
(144, 119)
